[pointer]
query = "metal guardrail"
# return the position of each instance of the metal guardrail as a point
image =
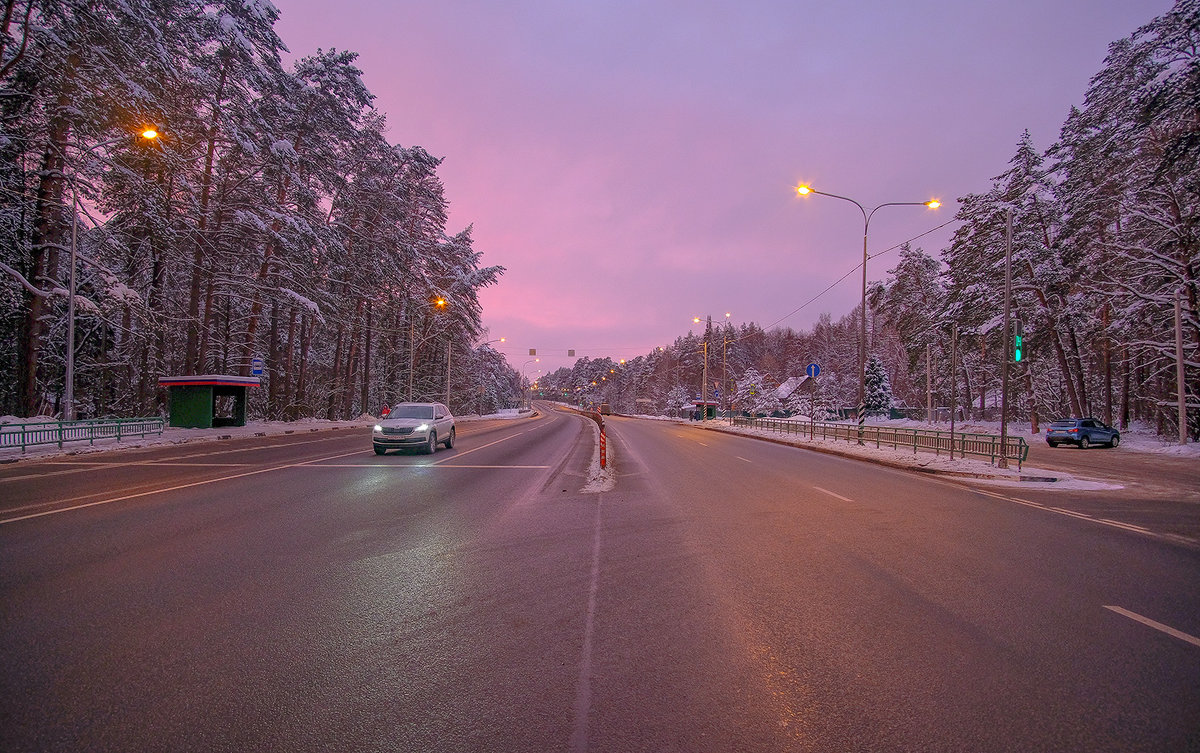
(956, 444)
(58, 432)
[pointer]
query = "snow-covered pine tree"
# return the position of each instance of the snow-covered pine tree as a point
(879, 400)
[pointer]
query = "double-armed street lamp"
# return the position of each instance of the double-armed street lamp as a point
(804, 189)
(149, 134)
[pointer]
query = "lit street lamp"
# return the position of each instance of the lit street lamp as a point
(69, 377)
(804, 190)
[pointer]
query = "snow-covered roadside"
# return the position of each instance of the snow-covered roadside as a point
(181, 436)
(922, 461)
(1137, 438)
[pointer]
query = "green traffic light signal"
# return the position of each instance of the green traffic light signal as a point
(1018, 342)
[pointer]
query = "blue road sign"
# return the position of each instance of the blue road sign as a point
(256, 366)
(813, 370)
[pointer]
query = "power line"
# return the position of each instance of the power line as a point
(854, 269)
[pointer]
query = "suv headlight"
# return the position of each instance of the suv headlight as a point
(422, 427)
(378, 429)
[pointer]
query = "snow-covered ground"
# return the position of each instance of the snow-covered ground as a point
(179, 436)
(969, 467)
(1138, 437)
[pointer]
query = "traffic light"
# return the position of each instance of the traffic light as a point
(1018, 341)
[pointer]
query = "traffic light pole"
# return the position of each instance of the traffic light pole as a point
(1002, 462)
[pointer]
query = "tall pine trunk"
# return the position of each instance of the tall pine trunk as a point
(49, 236)
(366, 371)
(199, 265)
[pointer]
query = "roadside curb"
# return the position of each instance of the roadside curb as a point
(881, 461)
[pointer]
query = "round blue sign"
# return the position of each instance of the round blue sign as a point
(813, 370)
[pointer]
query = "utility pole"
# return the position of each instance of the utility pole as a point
(928, 384)
(1002, 461)
(449, 340)
(704, 383)
(1181, 385)
(953, 383)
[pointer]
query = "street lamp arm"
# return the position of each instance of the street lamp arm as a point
(867, 216)
(861, 208)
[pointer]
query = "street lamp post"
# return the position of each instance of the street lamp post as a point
(526, 379)
(803, 190)
(69, 376)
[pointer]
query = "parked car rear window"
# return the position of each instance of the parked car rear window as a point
(1062, 424)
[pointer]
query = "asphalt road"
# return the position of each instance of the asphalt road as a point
(299, 593)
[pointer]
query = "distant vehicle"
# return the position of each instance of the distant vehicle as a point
(414, 425)
(605, 409)
(1083, 432)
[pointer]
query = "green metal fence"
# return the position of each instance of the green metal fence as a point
(958, 444)
(60, 432)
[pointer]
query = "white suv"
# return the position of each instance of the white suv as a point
(423, 425)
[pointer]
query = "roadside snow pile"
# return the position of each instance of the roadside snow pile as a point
(179, 436)
(17, 420)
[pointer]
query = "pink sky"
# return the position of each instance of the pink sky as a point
(631, 163)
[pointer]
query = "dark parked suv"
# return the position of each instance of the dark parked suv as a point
(1083, 432)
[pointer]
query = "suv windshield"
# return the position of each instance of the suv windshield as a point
(412, 411)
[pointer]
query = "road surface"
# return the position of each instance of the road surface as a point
(299, 593)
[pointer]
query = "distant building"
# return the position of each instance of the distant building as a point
(785, 390)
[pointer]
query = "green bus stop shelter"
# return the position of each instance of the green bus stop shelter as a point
(207, 400)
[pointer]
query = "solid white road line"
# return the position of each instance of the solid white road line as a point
(583, 692)
(228, 478)
(91, 465)
(498, 441)
(744, 460)
(832, 494)
(1126, 526)
(171, 488)
(1156, 625)
(407, 466)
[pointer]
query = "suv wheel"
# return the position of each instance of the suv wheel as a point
(431, 446)
(380, 450)
(450, 439)
(1116, 440)
(1084, 443)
